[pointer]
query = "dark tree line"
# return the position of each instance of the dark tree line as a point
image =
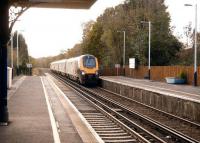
(23, 56)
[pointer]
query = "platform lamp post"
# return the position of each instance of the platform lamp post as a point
(124, 57)
(18, 50)
(195, 45)
(17, 53)
(29, 62)
(149, 57)
(11, 52)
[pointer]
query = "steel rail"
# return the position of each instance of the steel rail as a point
(175, 134)
(170, 131)
(94, 101)
(153, 108)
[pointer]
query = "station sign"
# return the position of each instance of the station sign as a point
(29, 65)
(74, 4)
(132, 63)
(117, 65)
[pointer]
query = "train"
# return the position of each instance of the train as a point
(83, 69)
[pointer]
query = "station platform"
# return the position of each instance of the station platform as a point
(182, 100)
(36, 115)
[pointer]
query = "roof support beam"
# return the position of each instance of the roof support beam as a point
(73, 4)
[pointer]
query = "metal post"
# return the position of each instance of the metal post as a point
(149, 55)
(195, 45)
(29, 63)
(17, 53)
(149, 67)
(11, 50)
(124, 63)
(11, 53)
(195, 49)
(4, 38)
(124, 57)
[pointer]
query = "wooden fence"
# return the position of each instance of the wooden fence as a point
(158, 73)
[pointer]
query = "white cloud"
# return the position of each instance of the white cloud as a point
(181, 15)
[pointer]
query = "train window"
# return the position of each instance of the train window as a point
(89, 61)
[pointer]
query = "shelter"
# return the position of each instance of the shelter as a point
(75, 4)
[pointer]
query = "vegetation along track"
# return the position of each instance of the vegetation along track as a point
(151, 130)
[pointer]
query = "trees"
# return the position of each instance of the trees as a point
(92, 40)
(186, 56)
(102, 39)
(22, 53)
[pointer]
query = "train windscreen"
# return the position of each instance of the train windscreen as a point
(89, 62)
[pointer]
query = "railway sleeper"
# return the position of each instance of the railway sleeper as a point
(95, 118)
(104, 126)
(97, 123)
(121, 141)
(110, 131)
(101, 123)
(113, 134)
(92, 114)
(117, 137)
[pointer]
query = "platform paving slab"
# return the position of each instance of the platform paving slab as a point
(28, 115)
(66, 129)
(29, 120)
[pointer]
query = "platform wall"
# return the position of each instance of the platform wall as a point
(158, 73)
(183, 108)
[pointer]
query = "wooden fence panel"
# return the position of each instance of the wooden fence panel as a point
(158, 73)
(198, 73)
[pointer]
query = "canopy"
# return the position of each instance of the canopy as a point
(73, 4)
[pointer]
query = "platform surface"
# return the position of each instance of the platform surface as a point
(187, 92)
(28, 114)
(29, 117)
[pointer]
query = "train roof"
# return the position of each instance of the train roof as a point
(60, 61)
(73, 58)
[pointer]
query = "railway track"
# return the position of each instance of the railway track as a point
(183, 126)
(139, 126)
(108, 130)
(105, 127)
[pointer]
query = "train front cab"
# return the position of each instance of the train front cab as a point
(89, 74)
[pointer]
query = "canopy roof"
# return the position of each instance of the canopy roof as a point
(74, 4)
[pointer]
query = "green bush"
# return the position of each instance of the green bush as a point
(183, 75)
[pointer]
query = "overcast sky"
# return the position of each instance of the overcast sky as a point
(182, 15)
(49, 31)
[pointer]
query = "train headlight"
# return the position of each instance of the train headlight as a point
(97, 73)
(83, 73)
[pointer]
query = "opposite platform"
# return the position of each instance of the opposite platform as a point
(182, 100)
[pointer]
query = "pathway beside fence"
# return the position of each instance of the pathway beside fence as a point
(158, 73)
